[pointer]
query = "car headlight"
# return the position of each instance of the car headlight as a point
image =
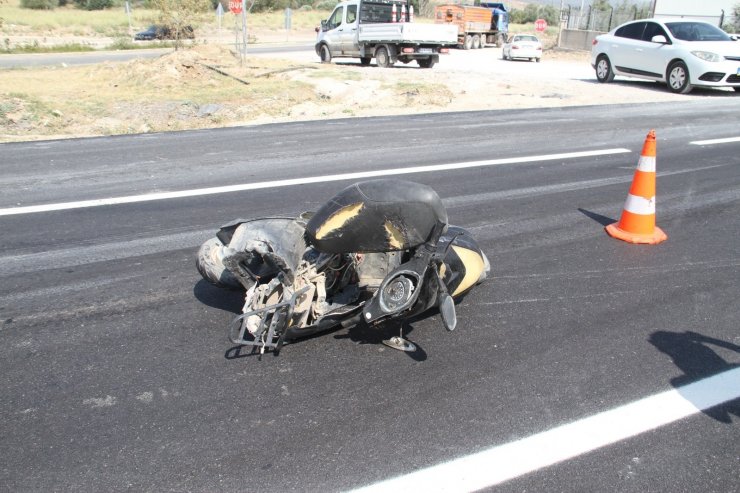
(707, 56)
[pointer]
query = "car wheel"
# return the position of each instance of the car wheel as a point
(382, 57)
(425, 62)
(325, 54)
(604, 72)
(365, 60)
(483, 41)
(678, 78)
(537, 60)
(476, 42)
(468, 42)
(211, 267)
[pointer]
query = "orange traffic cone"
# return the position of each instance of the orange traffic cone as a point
(637, 223)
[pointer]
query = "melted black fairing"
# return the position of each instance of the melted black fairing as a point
(377, 216)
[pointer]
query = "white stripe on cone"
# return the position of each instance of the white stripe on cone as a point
(646, 163)
(639, 205)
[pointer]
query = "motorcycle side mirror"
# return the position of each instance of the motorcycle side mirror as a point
(447, 310)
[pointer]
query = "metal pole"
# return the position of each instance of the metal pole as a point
(244, 30)
(560, 23)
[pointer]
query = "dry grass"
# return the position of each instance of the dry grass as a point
(70, 20)
(114, 22)
(177, 91)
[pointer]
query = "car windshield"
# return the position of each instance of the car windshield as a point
(696, 31)
(526, 38)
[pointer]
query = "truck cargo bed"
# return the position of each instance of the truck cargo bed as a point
(408, 32)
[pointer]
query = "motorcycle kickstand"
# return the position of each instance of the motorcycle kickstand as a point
(398, 342)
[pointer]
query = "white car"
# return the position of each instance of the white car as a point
(522, 46)
(682, 53)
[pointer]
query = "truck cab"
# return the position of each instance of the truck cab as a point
(500, 19)
(340, 31)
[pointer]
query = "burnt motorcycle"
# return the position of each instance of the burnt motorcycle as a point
(379, 250)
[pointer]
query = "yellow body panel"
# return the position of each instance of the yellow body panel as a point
(339, 219)
(474, 267)
(395, 237)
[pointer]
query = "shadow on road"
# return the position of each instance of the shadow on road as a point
(363, 334)
(224, 299)
(691, 352)
(603, 220)
(660, 87)
(359, 334)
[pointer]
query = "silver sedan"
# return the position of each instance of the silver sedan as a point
(523, 46)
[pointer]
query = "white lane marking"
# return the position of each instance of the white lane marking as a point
(715, 141)
(499, 464)
(300, 181)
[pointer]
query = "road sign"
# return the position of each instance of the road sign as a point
(235, 6)
(540, 25)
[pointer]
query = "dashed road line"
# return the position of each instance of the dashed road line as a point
(727, 140)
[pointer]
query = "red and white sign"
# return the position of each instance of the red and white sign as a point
(235, 6)
(540, 25)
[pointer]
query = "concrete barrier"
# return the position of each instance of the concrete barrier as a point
(573, 39)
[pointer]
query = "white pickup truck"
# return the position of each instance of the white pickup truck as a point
(381, 29)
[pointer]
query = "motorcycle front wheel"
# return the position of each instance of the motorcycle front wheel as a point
(210, 265)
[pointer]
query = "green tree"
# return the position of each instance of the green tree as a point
(532, 12)
(601, 6)
(179, 15)
(38, 4)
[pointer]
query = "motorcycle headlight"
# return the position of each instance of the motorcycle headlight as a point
(396, 293)
(707, 56)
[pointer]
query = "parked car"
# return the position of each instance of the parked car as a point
(522, 46)
(163, 32)
(682, 53)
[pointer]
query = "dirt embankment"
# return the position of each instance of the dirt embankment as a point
(209, 86)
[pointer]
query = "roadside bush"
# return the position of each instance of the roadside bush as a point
(325, 5)
(94, 4)
(735, 26)
(38, 4)
(279, 5)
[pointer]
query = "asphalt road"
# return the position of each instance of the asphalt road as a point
(116, 372)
